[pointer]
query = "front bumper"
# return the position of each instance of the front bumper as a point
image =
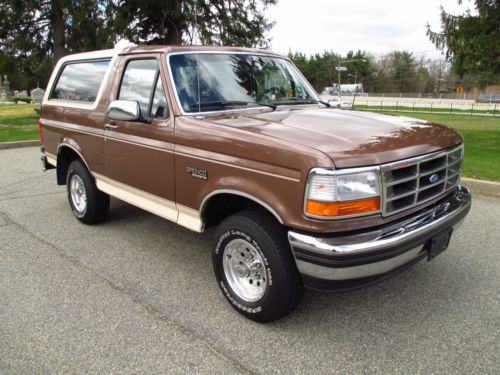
(360, 258)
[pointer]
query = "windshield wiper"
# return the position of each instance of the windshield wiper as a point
(324, 103)
(293, 100)
(227, 103)
(297, 100)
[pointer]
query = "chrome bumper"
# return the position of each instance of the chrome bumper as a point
(333, 262)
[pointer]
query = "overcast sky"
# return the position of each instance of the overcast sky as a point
(377, 26)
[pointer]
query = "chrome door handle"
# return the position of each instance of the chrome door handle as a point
(110, 126)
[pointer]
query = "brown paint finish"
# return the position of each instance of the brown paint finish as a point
(263, 153)
(140, 154)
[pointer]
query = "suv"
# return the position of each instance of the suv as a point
(301, 194)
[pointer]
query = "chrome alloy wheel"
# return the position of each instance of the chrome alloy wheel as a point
(78, 193)
(245, 270)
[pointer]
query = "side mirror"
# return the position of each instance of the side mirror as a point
(124, 110)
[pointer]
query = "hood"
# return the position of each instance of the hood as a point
(350, 138)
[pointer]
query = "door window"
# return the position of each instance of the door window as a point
(142, 83)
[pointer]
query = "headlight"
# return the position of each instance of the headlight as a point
(335, 193)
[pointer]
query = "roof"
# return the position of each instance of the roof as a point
(163, 49)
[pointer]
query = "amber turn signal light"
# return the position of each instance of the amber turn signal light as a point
(329, 209)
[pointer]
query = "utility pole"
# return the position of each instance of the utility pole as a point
(338, 71)
(344, 69)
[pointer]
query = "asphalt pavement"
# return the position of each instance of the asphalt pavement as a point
(136, 295)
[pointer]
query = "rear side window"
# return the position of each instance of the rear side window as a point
(80, 82)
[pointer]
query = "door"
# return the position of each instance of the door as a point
(139, 159)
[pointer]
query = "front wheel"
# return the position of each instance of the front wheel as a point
(254, 266)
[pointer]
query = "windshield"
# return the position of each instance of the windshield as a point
(212, 82)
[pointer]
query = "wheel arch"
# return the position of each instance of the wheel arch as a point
(66, 153)
(232, 202)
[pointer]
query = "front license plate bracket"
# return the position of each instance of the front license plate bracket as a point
(438, 244)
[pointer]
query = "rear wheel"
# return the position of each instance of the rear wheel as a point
(89, 204)
(254, 266)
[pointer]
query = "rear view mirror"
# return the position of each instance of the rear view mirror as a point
(124, 110)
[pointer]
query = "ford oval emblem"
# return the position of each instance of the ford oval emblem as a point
(433, 178)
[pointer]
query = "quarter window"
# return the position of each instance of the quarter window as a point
(80, 82)
(142, 83)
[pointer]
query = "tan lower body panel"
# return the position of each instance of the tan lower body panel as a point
(51, 159)
(182, 215)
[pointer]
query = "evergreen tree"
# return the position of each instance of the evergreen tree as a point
(209, 22)
(471, 41)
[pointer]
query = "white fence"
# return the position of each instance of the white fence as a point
(451, 106)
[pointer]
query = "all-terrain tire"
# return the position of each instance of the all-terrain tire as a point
(241, 242)
(88, 203)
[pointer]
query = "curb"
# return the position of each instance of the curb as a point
(18, 144)
(481, 187)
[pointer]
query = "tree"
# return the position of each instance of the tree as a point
(360, 68)
(35, 34)
(210, 22)
(471, 41)
(403, 70)
(54, 26)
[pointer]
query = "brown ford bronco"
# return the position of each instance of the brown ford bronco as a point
(301, 194)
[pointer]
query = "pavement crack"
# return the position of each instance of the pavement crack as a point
(31, 196)
(25, 180)
(156, 313)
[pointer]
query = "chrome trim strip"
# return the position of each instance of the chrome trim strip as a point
(433, 171)
(356, 272)
(402, 180)
(242, 194)
(412, 230)
(424, 188)
(394, 197)
(408, 231)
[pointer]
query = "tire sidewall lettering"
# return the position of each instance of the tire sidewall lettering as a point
(250, 310)
(225, 238)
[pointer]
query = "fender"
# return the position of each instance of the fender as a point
(241, 194)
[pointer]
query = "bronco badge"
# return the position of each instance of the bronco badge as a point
(196, 172)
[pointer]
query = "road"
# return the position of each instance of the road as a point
(136, 295)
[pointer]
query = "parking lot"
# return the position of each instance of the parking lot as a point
(136, 294)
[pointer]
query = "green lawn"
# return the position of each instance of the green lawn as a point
(18, 123)
(482, 141)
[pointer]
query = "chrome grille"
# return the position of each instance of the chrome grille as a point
(410, 182)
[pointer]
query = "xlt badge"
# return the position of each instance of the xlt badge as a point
(197, 172)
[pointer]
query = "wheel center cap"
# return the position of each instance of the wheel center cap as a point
(243, 270)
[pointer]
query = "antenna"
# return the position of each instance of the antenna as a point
(195, 27)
